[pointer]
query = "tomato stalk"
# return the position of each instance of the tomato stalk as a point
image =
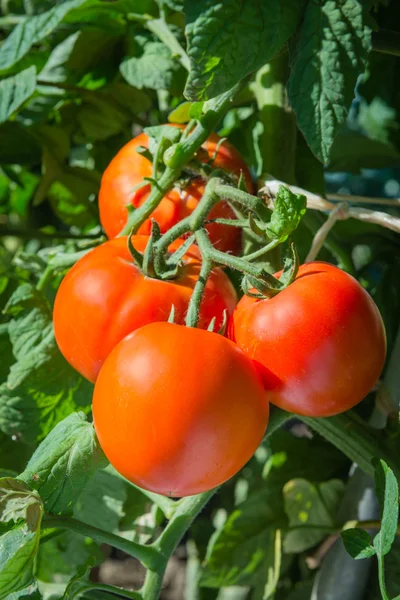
(150, 557)
(183, 153)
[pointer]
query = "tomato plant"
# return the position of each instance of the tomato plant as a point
(200, 436)
(105, 296)
(128, 169)
(153, 154)
(320, 343)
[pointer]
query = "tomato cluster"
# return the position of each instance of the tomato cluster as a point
(179, 410)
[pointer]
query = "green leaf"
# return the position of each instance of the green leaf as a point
(18, 548)
(15, 90)
(352, 151)
(18, 501)
(246, 542)
(156, 69)
(330, 54)
(228, 40)
(28, 593)
(159, 132)
(63, 464)
(101, 503)
(31, 31)
(55, 68)
(19, 544)
(287, 212)
(307, 504)
(181, 114)
(388, 495)
(358, 543)
(41, 388)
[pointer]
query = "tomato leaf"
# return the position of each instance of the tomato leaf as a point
(307, 504)
(358, 543)
(155, 69)
(388, 495)
(330, 54)
(18, 501)
(228, 40)
(31, 31)
(62, 465)
(287, 213)
(15, 90)
(18, 548)
(22, 509)
(244, 546)
(41, 388)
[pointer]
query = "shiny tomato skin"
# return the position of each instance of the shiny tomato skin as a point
(320, 344)
(178, 410)
(105, 296)
(128, 168)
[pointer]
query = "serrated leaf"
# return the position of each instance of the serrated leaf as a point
(155, 69)
(245, 543)
(307, 504)
(330, 54)
(388, 494)
(228, 40)
(357, 543)
(15, 90)
(31, 31)
(19, 501)
(159, 132)
(41, 388)
(55, 70)
(63, 464)
(287, 213)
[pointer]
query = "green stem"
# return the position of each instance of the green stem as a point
(387, 42)
(184, 151)
(262, 251)
(381, 575)
(193, 313)
(147, 555)
(186, 511)
(111, 589)
(240, 264)
(44, 278)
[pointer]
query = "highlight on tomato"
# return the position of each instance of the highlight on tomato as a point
(128, 169)
(320, 344)
(178, 410)
(105, 296)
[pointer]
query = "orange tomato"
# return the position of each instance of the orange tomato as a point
(127, 170)
(178, 410)
(105, 296)
(320, 343)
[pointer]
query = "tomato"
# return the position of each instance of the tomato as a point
(105, 296)
(178, 410)
(128, 168)
(320, 343)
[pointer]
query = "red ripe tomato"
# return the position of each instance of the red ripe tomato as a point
(178, 410)
(128, 168)
(320, 343)
(105, 296)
